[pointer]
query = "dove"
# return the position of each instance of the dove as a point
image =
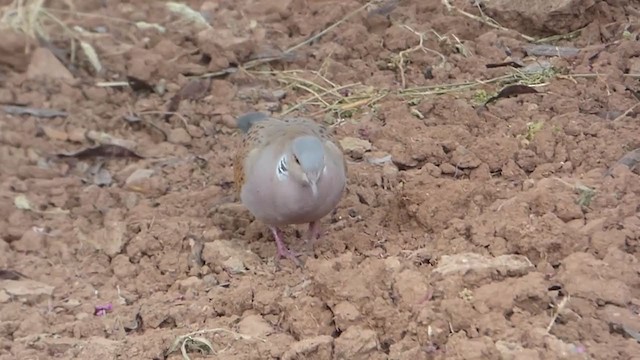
(288, 171)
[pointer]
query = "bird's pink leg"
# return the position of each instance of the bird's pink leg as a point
(283, 251)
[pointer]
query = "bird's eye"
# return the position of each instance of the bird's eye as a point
(296, 159)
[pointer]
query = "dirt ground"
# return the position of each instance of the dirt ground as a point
(505, 231)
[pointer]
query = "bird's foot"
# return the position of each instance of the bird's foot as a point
(283, 251)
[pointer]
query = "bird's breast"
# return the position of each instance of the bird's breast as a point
(280, 201)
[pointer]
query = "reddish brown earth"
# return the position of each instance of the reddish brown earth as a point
(493, 233)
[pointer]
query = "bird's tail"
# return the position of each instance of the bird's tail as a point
(245, 121)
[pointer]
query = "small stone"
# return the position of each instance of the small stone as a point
(179, 136)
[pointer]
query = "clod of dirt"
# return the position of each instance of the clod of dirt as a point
(144, 181)
(411, 287)
(315, 348)
(586, 277)
(45, 64)
(464, 262)
(542, 17)
(230, 256)
(512, 351)
(12, 49)
(511, 91)
(179, 136)
(255, 326)
(110, 239)
(26, 290)
(464, 159)
(357, 342)
(345, 314)
(355, 147)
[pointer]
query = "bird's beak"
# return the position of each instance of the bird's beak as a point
(314, 188)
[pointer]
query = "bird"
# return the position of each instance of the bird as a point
(288, 171)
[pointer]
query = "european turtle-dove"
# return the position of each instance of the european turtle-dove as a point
(288, 171)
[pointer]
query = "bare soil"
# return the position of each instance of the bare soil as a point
(510, 231)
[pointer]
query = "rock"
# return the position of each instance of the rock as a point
(318, 347)
(542, 17)
(355, 343)
(26, 290)
(179, 136)
(255, 325)
(45, 64)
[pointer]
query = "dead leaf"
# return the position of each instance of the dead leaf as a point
(7, 274)
(630, 160)
(139, 85)
(512, 90)
(104, 150)
(514, 64)
(37, 112)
